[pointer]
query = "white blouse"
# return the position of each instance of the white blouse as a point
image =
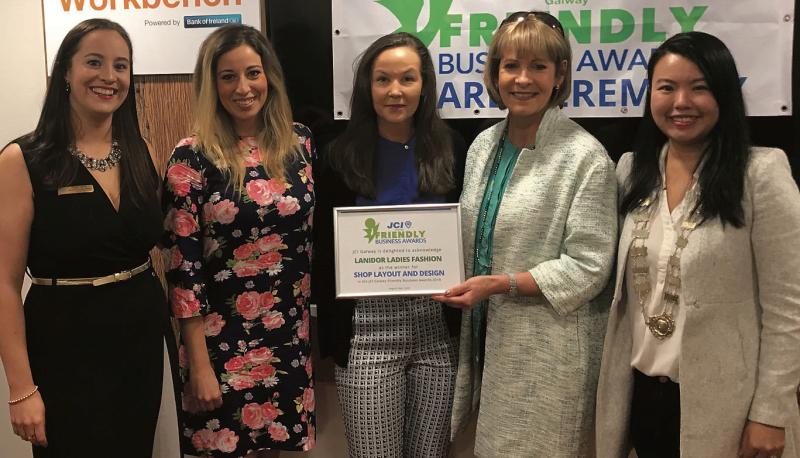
(650, 355)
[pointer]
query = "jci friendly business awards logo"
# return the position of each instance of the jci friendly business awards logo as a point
(396, 232)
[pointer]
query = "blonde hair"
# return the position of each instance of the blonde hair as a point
(527, 37)
(213, 129)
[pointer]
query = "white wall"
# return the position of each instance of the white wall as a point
(23, 77)
(22, 85)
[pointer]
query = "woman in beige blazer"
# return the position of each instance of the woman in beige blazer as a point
(539, 228)
(702, 353)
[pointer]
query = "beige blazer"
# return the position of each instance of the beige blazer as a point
(558, 221)
(740, 355)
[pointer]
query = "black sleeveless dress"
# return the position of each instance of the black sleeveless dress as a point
(96, 352)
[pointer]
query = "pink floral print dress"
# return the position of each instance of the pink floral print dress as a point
(242, 262)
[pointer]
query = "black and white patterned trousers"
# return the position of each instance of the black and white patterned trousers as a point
(396, 392)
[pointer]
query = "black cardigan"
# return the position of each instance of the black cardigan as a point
(335, 316)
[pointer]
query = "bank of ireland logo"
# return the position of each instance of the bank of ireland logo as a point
(409, 11)
(370, 229)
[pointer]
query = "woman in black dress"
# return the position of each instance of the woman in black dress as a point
(84, 357)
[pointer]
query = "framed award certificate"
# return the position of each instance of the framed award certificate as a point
(398, 250)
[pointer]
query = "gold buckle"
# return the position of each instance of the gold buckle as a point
(119, 276)
(104, 280)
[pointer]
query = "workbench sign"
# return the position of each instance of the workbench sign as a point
(611, 43)
(166, 34)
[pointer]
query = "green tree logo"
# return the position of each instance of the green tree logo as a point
(370, 229)
(408, 12)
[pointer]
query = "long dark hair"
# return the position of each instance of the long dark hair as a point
(353, 151)
(54, 133)
(722, 176)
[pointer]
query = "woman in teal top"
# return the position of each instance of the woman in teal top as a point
(539, 229)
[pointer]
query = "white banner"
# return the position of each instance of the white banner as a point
(611, 43)
(166, 34)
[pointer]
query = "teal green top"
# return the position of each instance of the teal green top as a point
(502, 167)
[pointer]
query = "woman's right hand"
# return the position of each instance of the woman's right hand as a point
(27, 420)
(473, 290)
(204, 389)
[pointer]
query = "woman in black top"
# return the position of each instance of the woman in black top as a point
(84, 358)
(395, 381)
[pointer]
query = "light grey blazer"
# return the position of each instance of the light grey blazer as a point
(558, 221)
(740, 353)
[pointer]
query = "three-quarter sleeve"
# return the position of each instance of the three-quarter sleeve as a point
(582, 270)
(776, 252)
(182, 243)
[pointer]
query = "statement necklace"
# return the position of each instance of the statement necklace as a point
(101, 165)
(662, 325)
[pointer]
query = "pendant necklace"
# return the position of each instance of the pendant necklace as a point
(662, 325)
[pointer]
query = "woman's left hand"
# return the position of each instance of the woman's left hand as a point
(761, 441)
(474, 290)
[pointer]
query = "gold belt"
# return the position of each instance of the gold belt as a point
(94, 281)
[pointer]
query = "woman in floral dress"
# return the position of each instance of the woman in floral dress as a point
(239, 198)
